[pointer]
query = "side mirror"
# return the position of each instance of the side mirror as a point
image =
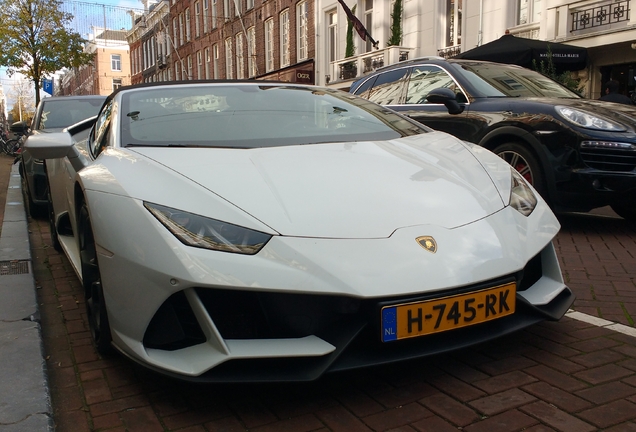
(50, 145)
(447, 97)
(19, 128)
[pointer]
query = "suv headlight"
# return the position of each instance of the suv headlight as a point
(198, 231)
(522, 198)
(588, 120)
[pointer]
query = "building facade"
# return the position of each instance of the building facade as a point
(224, 39)
(607, 28)
(109, 70)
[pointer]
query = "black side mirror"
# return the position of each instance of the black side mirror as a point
(447, 97)
(19, 128)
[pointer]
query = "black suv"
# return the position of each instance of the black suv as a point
(578, 153)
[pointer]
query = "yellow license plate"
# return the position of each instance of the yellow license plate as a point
(433, 316)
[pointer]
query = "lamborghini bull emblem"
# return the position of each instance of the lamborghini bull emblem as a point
(428, 243)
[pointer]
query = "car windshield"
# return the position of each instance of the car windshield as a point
(246, 115)
(61, 113)
(499, 80)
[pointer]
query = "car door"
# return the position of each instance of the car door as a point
(422, 80)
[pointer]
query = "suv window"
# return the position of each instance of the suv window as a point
(388, 87)
(426, 78)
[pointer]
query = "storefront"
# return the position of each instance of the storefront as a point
(301, 73)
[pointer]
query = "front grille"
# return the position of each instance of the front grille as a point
(268, 315)
(617, 160)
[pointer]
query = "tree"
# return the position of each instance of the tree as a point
(22, 95)
(396, 24)
(350, 48)
(35, 42)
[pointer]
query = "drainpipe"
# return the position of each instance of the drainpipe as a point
(481, 22)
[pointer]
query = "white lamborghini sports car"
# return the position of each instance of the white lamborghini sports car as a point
(259, 231)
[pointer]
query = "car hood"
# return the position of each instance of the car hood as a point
(344, 190)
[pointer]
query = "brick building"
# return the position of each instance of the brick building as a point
(224, 39)
(109, 70)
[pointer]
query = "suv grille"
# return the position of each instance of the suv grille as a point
(622, 160)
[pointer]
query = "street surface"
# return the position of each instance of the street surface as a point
(557, 376)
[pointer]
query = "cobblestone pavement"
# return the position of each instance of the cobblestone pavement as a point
(563, 376)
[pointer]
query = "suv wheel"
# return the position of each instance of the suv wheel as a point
(524, 161)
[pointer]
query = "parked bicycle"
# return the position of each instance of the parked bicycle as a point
(8, 146)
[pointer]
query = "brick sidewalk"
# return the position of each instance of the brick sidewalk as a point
(565, 376)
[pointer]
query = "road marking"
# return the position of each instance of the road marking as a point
(600, 322)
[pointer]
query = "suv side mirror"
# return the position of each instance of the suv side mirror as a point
(19, 128)
(447, 97)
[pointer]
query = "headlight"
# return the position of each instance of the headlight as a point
(588, 120)
(203, 232)
(522, 198)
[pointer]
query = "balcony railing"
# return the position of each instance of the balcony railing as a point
(449, 52)
(601, 15)
(357, 66)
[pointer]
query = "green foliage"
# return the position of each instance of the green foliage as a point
(396, 24)
(549, 69)
(350, 49)
(35, 42)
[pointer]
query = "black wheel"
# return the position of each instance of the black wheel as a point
(92, 282)
(55, 240)
(625, 210)
(35, 211)
(524, 161)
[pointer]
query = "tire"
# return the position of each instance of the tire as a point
(92, 282)
(524, 161)
(35, 211)
(625, 210)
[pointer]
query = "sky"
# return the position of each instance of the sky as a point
(86, 12)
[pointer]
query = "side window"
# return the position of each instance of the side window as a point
(426, 78)
(363, 89)
(100, 134)
(388, 87)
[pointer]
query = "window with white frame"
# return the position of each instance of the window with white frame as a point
(302, 42)
(115, 62)
(187, 24)
(206, 14)
(184, 71)
(251, 51)
(175, 30)
(199, 65)
(177, 73)
(368, 22)
(240, 59)
(269, 45)
(181, 30)
(528, 11)
(238, 6)
(215, 58)
(229, 73)
(332, 35)
(284, 38)
(214, 15)
(197, 18)
(207, 63)
(250, 4)
(116, 83)
(153, 54)
(189, 60)
(227, 9)
(453, 22)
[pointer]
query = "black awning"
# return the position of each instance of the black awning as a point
(510, 49)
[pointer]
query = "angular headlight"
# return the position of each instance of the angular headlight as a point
(203, 232)
(522, 198)
(588, 120)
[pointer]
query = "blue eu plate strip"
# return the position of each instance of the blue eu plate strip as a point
(389, 324)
